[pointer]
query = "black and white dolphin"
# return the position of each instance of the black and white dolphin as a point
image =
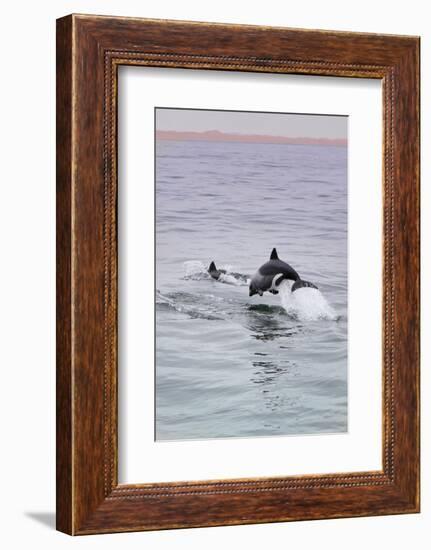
(231, 276)
(214, 272)
(269, 276)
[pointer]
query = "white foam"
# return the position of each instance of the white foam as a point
(307, 304)
(229, 280)
(193, 268)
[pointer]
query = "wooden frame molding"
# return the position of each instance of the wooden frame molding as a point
(89, 51)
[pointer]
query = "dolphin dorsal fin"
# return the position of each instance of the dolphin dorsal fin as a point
(212, 267)
(274, 255)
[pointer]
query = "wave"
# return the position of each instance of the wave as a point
(194, 306)
(267, 309)
(307, 304)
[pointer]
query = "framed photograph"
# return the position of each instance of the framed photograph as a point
(237, 274)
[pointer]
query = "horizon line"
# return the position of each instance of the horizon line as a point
(217, 135)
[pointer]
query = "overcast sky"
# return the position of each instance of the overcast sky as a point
(239, 122)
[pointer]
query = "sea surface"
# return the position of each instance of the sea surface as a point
(230, 365)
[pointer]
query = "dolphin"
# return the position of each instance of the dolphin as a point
(269, 276)
(214, 272)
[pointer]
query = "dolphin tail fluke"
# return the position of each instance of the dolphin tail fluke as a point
(212, 267)
(302, 284)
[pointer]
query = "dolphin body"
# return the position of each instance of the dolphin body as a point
(269, 276)
(217, 274)
(214, 272)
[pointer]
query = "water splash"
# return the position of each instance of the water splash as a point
(307, 304)
(195, 270)
(229, 279)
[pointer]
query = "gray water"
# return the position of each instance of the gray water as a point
(228, 365)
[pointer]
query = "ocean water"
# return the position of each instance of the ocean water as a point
(230, 365)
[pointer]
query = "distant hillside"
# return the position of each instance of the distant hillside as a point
(215, 135)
